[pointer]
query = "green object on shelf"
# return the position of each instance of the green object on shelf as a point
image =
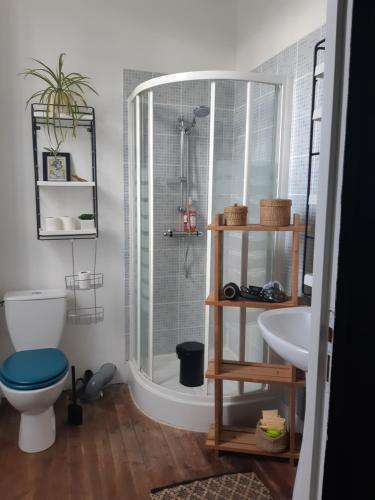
(86, 217)
(274, 433)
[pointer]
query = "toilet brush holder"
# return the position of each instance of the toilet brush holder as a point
(74, 410)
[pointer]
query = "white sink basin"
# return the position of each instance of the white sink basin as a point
(287, 332)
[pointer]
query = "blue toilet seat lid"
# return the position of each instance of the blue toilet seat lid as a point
(33, 369)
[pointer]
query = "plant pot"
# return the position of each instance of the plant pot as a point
(87, 224)
(58, 105)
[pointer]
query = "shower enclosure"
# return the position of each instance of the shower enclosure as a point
(198, 142)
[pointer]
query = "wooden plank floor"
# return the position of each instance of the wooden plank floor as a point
(117, 454)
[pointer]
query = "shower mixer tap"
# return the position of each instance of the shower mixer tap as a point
(171, 233)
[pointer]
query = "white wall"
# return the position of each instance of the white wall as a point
(100, 39)
(265, 27)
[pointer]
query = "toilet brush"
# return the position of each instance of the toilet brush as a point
(74, 410)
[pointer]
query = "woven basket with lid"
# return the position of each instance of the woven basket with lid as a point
(275, 212)
(235, 215)
(267, 443)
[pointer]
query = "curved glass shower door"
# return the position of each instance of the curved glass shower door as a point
(245, 170)
(145, 226)
(216, 138)
(141, 184)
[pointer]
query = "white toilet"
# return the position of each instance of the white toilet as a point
(33, 377)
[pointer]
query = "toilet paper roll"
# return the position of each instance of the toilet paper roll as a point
(84, 280)
(69, 223)
(53, 224)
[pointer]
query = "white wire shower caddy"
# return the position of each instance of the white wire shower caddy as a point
(84, 315)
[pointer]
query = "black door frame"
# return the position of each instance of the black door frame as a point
(348, 473)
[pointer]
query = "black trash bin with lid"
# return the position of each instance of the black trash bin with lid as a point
(191, 355)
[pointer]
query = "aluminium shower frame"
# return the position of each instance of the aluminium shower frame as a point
(283, 87)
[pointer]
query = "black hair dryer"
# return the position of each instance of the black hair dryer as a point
(231, 291)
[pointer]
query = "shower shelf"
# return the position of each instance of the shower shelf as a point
(172, 233)
(311, 198)
(85, 315)
(319, 70)
(85, 115)
(242, 439)
(317, 115)
(308, 280)
(66, 234)
(299, 228)
(84, 120)
(210, 301)
(65, 184)
(256, 372)
(73, 282)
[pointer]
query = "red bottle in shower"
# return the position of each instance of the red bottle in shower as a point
(190, 218)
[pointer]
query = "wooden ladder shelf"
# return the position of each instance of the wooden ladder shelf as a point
(242, 439)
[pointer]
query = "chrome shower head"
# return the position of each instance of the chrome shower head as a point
(198, 112)
(201, 111)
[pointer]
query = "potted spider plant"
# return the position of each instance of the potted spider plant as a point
(62, 94)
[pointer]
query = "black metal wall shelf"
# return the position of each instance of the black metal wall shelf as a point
(318, 74)
(85, 118)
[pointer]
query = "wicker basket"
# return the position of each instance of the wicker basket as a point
(235, 215)
(275, 212)
(270, 444)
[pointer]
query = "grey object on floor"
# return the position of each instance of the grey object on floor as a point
(94, 387)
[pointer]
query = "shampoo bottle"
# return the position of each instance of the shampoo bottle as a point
(190, 218)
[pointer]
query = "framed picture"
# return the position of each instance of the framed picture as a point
(56, 168)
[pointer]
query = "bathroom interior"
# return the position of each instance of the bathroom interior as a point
(121, 236)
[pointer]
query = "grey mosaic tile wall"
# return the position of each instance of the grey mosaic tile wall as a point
(296, 62)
